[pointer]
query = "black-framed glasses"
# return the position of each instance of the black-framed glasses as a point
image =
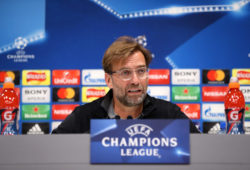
(127, 74)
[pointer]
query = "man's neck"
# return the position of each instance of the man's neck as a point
(125, 111)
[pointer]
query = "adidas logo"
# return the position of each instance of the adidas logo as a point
(35, 130)
(215, 129)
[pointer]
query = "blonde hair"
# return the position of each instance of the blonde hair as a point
(122, 48)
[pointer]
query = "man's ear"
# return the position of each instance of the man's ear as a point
(108, 80)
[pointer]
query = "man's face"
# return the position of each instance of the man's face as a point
(133, 91)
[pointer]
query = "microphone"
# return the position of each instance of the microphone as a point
(117, 117)
(129, 117)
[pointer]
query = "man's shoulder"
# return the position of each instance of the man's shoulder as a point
(162, 103)
(162, 109)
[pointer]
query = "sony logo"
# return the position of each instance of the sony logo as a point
(35, 91)
(186, 73)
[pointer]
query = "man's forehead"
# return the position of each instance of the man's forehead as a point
(135, 60)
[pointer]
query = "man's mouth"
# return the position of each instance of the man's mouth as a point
(135, 91)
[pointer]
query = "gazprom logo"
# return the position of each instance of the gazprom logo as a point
(213, 112)
(139, 129)
(93, 77)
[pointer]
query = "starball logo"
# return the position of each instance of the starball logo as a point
(20, 44)
(139, 142)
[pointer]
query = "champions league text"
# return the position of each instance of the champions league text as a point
(131, 145)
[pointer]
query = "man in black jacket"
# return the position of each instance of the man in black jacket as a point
(125, 64)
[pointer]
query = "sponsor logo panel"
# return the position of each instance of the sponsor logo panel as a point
(160, 92)
(35, 112)
(214, 127)
(197, 124)
(243, 75)
(159, 76)
(185, 76)
(35, 128)
(61, 111)
(55, 124)
(247, 112)
(93, 77)
(36, 77)
(247, 127)
(214, 76)
(66, 94)
(66, 77)
(213, 112)
(246, 92)
(214, 93)
(185, 93)
(35, 94)
(92, 93)
(15, 75)
(193, 111)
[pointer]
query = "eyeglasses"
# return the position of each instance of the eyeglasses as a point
(127, 74)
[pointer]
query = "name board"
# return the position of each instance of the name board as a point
(139, 141)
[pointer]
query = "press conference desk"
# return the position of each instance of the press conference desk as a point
(70, 152)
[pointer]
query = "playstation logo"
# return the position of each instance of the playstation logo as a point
(20, 43)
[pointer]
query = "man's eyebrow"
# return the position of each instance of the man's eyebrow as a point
(123, 68)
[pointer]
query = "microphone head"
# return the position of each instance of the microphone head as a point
(129, 117)
(117, 117)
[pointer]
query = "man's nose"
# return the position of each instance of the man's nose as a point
(134, 78)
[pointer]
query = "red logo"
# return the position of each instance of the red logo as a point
(191, 110)
(243, 75)
(159, 76)
(214, 93)
(2, 76)
(234, 115)
(60, 112)
(8, 116)
(66, 77)
(33, 76)
(95, 93)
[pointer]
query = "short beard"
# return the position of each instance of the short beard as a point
(125, 100)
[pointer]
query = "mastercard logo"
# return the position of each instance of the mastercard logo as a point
(4, 74)
(66, 93)
(215, 75)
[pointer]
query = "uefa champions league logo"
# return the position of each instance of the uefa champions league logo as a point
(139, 129)
(139, 142)
(20, 43)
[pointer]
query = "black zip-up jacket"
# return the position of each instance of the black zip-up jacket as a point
(79, 120)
